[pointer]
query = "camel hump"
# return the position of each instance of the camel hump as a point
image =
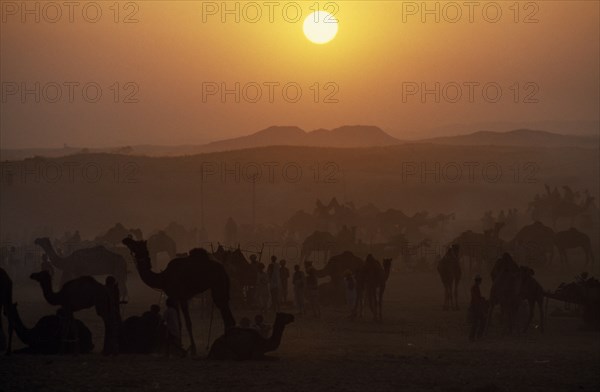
(198, 252)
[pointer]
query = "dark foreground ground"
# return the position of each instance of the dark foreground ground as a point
(417, 347)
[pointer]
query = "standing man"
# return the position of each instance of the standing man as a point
(299, 282)
(285, 276)
(274, 282)
(477, 310)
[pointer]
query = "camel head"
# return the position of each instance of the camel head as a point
(138, 248)
(284, 318)
(42, 276)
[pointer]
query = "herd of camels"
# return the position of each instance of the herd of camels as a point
(227, 274)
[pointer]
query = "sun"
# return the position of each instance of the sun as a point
(320, 27)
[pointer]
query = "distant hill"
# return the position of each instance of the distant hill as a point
(346, 137)
(519, 137)
(342, 137)
(349, 136)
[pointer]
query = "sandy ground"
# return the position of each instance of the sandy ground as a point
(417, 347)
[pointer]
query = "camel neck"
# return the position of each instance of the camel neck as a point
(275, 340)
(50, 296)
(149, 277)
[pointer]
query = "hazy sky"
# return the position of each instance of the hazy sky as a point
(175, 60)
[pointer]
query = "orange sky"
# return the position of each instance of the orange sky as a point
(175, 50)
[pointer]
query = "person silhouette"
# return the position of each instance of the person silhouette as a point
(477, 310)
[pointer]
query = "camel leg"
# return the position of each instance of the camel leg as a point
(188, 324)
(3, 345)
(456, 295)
(220, 298)
(531, 309)
(10, 334)
(67, 326)
(123, 286)
(371, 300)
(380, 305)
(489, 316)
(541, 306)
(447, 296)
(226, 314)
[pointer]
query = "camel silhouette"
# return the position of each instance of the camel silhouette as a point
(241, 273)
(318, 241)
(184, 278)
(246, 343)
(78, 294)
(141, 334)
(570, 239)
(533, 244)
(92, 261)
(512, 284)
(46, 337)
(450, 273)
(371, 280)
(338, 265)
(334, 292)
(480, 247)
(5, 302)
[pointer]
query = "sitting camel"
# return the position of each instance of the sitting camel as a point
(450, 272)
(77, 294)
(247, 343)
(512, 284)
(371, 280)
(142, 334)
(92, 261)
(51, 334)
(184, 278)
(570, 239)
(5, 302)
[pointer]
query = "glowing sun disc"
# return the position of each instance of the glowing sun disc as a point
(320, 27)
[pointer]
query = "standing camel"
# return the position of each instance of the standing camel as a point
(570, 239)
(92, 261)
(371, 280)
(78, 294)
(534, 243)
(184, 278)
(5, 303)
(512, 284)
(480, 247)
(450, 272)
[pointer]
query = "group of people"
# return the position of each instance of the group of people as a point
(271, 290)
